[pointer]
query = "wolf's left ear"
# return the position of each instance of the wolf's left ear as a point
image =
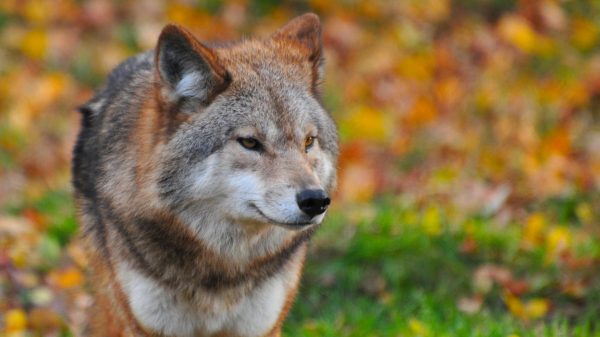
(305, 33)
(188, 69)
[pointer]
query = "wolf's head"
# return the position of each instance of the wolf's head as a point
(248, 141)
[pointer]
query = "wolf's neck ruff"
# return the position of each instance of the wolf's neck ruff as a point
(200, 174)
(162, 249)
(190, 276)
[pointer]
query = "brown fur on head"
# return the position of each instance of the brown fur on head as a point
(264, 90)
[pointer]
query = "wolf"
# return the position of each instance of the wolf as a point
(200, 173)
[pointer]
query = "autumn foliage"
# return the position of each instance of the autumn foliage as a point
(479, 119)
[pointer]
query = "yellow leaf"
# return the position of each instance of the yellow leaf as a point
(584, 212)
(19, 256)
(532, 309)
(15, 320)
(518, 32)
(429, 10)
(533, 234)
(558, 241)
(367, 123)
(584, 33)
(324, 6)
(432, 222)
(370, 9)
(515, 306)
(411, 218)
(417, 327)
(536, 308)
(34, 44)
(417, 67)
(186, 15)
(575, 93)
(37, 11)
(438, 10)
(484, 97)
(180, 13)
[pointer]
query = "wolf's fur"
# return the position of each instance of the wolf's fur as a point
(189, 233)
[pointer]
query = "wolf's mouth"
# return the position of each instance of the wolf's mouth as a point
(292, 225)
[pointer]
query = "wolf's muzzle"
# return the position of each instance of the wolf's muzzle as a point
(313, 202)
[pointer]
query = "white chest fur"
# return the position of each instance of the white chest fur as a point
(161, 310)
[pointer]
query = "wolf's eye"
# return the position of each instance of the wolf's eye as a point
(309, 142)
(249, 143)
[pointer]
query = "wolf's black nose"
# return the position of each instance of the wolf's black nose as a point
(312, 202)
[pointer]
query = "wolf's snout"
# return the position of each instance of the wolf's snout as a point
(313, 202)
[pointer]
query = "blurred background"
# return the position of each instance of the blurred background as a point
(468, 200)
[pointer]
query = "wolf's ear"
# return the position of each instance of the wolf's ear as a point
(305, 33)
(305, 30)
(188, 69)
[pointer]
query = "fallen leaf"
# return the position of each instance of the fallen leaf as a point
(584, 33)
(367, 123)
(533, 234)
(529, 310)
(44, 320)
(34, 44)
(417, 327)
(67, 278)
(558, 241)
(470, 305)
(432, 221)
(15, 320)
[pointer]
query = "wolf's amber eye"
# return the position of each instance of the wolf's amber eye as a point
(249, 143)
(309, 142)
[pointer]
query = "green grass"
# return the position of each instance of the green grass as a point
(392, 268)
(420, 275)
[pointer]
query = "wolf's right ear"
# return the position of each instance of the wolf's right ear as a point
(188, 69)
(305, 32)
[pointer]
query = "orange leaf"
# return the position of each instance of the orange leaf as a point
(423, 111)
(357, 182)
(68, 278)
